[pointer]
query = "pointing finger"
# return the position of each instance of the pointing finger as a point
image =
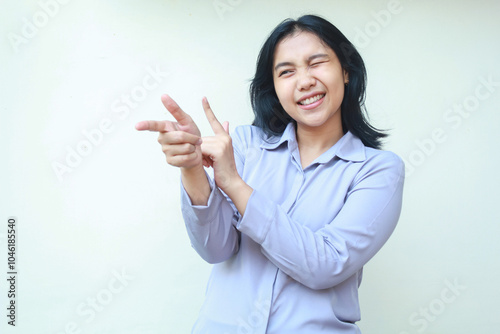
(158, 126)
(214, 123)
(176, 111)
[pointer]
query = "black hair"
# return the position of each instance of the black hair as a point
(270, 115)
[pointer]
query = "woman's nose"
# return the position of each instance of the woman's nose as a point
(305, 80)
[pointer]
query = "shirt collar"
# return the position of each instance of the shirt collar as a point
(349, 147)
(275, 141)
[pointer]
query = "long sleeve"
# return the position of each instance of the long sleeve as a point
(326, 257)
(211, 228)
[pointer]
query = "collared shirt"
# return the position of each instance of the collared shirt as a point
(293, 262)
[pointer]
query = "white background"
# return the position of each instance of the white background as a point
(116, 212)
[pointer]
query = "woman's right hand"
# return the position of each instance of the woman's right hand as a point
(181, 140)
(182, 144)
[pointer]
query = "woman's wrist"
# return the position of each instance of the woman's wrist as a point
(239, 192)
(195, 182)
(192, 171)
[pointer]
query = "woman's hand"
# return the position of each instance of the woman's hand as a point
(184, 148)
(217, 151)
(180, 141)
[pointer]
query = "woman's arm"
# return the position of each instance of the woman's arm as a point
(215, 238)
(211, 227)
(220, 154)
(326, 257)
(181, 143)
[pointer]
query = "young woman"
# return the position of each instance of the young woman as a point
(299, 201)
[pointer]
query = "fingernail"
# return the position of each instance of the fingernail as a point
(199, 141)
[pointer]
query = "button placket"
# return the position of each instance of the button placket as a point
(294, 192)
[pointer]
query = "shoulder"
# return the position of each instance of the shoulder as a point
(378, 156)
(246, 131)
(383, 162)
(352, 149)
(245, 136)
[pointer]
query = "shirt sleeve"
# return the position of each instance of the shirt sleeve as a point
(324, 258)
(212, 228)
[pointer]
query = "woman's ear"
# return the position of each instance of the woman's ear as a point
(346, 77)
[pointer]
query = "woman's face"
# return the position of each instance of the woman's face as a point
(309, 82)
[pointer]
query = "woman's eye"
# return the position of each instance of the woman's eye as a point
(317, 63)
(285, 72)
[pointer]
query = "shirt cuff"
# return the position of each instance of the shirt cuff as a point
(201, 214)
(258, 217)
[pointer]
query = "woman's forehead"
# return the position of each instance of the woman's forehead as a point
(300, 43)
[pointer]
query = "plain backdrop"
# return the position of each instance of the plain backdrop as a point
(102, 247)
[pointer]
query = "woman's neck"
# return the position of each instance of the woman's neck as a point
(313, 142)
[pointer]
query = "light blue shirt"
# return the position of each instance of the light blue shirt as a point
(293, 263)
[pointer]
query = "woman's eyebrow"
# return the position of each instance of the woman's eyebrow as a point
(314, 56)
(317, 55)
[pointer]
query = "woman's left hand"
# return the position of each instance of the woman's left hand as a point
(218, 152)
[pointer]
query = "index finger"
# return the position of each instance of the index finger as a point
(214, 122)
(158, 126)
(181, 117)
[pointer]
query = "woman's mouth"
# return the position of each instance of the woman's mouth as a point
(312, 101)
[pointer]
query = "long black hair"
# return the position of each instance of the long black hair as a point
(270, 115)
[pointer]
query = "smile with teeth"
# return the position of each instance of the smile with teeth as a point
(311, 99)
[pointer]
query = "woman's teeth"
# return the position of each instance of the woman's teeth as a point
(311, 99)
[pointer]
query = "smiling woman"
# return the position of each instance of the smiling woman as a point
(300, 201)
(309, 82)
(271, 116)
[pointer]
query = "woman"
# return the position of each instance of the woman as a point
(299, 201)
